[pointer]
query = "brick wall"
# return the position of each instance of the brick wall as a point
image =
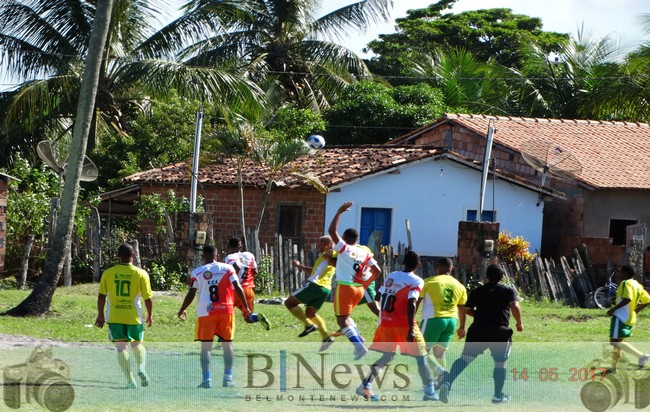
(471, 236)
(562, 217)
(223, 204)
(3, 222)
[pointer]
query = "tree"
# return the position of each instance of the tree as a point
(285, 42)
(369, 112)
(45, 42)
(38, 302)
(494, 34)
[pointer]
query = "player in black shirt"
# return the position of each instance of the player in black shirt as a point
(490, 305)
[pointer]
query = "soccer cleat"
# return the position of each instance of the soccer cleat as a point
(264, 321)
(443, 394)
(501, 399)
(442, 377)
(227, 381)
(643, 360)
(326, 344)
(430, 397)
(359, 352)
(366, 393)
(131, 385)
(206, 384)
(144, 380)
(308, 330)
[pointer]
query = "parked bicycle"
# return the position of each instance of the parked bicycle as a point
(605, 296)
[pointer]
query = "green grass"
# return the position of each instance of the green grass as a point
(557, 339)
(74, 309)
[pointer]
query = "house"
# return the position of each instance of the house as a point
(606, 204)
(430, 187)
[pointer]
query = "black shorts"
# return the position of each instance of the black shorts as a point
(479, 338)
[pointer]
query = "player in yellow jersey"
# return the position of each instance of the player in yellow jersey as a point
(122, 286)
(631, 298)
(315, 292)
(440, 298)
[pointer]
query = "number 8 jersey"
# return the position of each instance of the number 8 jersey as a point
(213, 282)
(396, 291)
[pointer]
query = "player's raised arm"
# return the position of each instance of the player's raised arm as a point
(335, 222)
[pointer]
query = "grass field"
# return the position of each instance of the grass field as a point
(274, 370)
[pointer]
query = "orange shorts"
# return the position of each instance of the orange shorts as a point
(346, 298)
(220, 325)
(389, 338)
(249, 293)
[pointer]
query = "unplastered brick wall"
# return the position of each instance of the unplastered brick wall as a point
(223, 204)
(3, 222)
(471, 236)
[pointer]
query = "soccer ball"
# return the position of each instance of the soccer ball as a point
(315, 141)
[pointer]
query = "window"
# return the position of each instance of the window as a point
(290, 221)
(486, 216)
(617, 230)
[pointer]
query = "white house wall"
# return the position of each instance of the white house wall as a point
(435, 195)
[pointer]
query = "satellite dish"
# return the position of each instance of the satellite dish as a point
(550, 159)
(50, 152)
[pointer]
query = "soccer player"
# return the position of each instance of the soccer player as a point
(124, 284)
(351, 263)
(491, 305)
(398, 328)
(246, 267)
(440, 298)
(315, 292)
(631, 298)
(214, 282)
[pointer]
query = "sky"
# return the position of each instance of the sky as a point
(618, 18)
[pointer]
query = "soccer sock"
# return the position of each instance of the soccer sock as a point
(300, 315)
(433, 364)
(352, 335)
(630, 349)
(424, 371)
(125, 364)
(205, 364)
(227, 371)
(253, 318)
(140, 354)
(322, 328)
(352, 324)
(499, 376)
(459, 365)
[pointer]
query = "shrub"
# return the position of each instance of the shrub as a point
(510, 248)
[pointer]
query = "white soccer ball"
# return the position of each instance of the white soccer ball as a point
(315, 141)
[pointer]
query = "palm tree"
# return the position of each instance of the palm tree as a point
(45, 44)
(39, 300)
(286, 42)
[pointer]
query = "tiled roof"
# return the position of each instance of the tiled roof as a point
(334, 165)
(612, 154)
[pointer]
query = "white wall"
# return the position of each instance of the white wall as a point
(435, 195)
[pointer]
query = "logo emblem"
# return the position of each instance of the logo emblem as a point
(389, 282)
(207, 275)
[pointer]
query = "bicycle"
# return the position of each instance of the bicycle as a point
(604, 296)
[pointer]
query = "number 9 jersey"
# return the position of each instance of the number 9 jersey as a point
(213, 282)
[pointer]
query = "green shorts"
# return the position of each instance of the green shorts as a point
(120, 332)
(368, 294)
(312, 295)
(438, 331)
(618, 329)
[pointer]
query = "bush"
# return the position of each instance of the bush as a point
(510, 248)
(164, 279)
(265, 280)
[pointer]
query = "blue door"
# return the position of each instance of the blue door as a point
(375, 219)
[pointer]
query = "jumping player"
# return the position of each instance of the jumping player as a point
(315, 292)
(351, 263)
